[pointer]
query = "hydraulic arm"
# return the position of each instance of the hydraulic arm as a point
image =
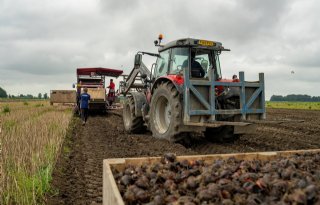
(139, 75)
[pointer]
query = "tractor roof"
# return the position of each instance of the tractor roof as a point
(190, 42)
(99, 71)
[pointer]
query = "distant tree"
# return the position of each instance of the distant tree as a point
(295, 98)
(45, 96)
(39, 95)
(3, 93)
(29, 96)
(276, 98)
(316, 99)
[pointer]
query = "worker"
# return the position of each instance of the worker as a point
(235, 78)
(196, 69)
(84, 105)
(111, 86)
(111, 94)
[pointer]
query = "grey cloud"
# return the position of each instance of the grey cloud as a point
(48, 40)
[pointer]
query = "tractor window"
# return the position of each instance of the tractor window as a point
(162, 64)
(203, 58)
(178, 56)
(218, 68)
(200, 63)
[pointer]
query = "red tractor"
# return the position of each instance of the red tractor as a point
(184, 92)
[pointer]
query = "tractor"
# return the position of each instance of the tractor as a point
(184, 92)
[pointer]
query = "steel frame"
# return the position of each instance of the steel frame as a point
(245, 106)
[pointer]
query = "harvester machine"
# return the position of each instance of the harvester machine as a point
(184, 92)
(94, 79)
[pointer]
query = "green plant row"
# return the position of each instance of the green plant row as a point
(294, 105)
(31, 137)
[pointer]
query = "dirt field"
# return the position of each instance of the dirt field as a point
(78, 173)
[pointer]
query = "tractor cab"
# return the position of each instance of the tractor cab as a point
(198, 56)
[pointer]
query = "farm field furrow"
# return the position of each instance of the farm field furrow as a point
(78, 173)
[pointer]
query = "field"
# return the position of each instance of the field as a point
(31, 133)
(294, 105)
(78, 174)
(34, 133)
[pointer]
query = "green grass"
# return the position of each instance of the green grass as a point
(294, 105)
(39, 105)
(30, 142)
(29, 189)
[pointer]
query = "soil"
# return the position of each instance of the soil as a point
(78, 173)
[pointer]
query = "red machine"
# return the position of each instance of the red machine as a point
(94, 80)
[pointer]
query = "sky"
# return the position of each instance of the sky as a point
(42, 42)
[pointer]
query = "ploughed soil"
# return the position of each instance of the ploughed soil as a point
(77, 177)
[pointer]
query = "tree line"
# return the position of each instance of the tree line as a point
(295, 98)
(4, 94)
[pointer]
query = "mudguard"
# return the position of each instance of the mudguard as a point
(176, 81)
(139, 99)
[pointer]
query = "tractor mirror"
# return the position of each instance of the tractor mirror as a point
(73, 85)
(138, 59)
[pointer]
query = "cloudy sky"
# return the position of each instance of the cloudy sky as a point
(42, 42)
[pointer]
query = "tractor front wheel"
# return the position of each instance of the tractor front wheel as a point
(165, 112)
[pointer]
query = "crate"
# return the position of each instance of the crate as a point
(111, 194)
(63, 96)
(97, 94)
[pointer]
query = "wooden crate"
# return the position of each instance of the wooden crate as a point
(111, 194)
(63, 96)
(97, 94)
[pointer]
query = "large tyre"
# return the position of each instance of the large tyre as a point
(221, 134)
(132, 123)
(165, 112)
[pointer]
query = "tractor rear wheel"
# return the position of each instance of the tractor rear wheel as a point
(221, 134)
(132, 123)
(165, 112)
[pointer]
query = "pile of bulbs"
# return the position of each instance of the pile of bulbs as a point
(290, 180)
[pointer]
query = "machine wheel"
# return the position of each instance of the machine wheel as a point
(165, 112)
(132, 123)
(221, 134)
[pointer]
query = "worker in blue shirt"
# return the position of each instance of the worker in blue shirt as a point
(84, 105)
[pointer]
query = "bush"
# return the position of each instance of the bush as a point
(6, 109)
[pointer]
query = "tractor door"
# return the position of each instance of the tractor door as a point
(199, 94)
(178, 57)
(162, 64)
